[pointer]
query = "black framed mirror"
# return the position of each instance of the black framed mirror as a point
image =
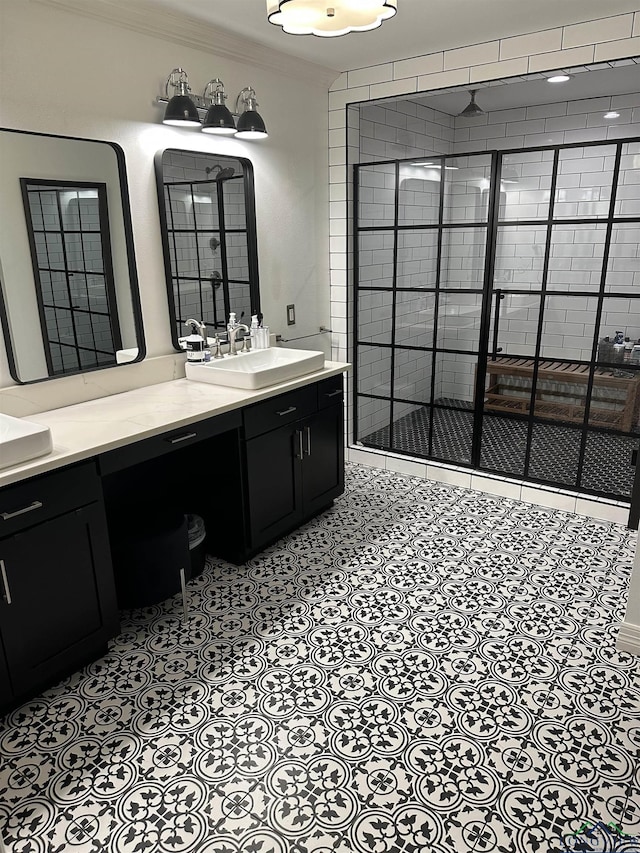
(69, 300)
(207, 218)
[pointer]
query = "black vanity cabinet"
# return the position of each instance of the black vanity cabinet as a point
(57, 598)
(294, 455)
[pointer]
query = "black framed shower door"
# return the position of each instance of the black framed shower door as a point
(484, 284)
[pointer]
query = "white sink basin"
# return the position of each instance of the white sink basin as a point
(258, 368)
(21, 440)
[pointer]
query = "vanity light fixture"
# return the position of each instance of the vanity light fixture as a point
(611, 115)
(208, 111)
(559, 78)
(218, 119)
(180, 111)
(329, 18)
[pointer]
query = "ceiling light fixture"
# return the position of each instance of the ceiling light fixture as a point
(559, 78)
(208, 111)
(472, 109)
(328, 18)
(612, 114)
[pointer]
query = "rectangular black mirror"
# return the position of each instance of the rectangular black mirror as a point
(207, 217)
(69, 299)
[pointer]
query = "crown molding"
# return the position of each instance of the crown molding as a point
(143, 17)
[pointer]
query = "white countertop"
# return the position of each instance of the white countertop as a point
(86, 429)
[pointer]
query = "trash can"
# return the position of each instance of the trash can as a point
(197, 552)
(148, 553)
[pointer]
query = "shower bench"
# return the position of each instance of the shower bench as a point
(564, 400)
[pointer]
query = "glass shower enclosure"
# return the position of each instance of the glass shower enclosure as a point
(490, 290)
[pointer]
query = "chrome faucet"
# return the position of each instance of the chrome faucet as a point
(233, 327)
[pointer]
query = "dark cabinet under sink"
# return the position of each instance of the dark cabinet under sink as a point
(296, 468)
(57, 602)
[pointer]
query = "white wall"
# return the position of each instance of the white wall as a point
(68, 74)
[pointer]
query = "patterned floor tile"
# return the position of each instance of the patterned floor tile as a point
(421, 668)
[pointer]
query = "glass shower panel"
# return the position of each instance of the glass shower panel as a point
(419, 192)
(374, 418)
(414, 318)
(620, 314)
(517, 317)
(555, 453)
(455, 377)
(412, 372)
(568, 328)
(525, 187)
(585, 179)
(451, 436)
(623, 265)
(628, 194)
(607, 464)
(417, 264)
(374, 370)
(466, 188)
(459, 321)
(376, 195)
(576, 256)
(463, 257)
(519, 260)
(375, 259)
(375, 313)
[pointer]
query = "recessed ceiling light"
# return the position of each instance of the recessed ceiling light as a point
(558, 78)
(612, 114)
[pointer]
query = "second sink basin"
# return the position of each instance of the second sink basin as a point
(21, 440)
(258, 368)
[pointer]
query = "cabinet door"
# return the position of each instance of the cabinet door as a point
(62, 606)
(5, 685)
(273, 483)
(323, 465)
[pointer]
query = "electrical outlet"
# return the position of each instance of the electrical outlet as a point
(291, 315)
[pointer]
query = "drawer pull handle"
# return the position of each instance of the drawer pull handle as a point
(287, 411)
(6, 593)
(7, 515)
(184, 437)
(307, 431)
(333, 393)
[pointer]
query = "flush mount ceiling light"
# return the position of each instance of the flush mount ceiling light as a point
(208, 111)
(558, 78)
(329, 17)
(472, 109)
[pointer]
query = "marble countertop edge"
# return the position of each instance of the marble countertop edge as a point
(84, 430)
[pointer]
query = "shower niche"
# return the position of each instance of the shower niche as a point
(207, 218)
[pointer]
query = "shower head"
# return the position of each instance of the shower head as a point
(472, 109)
(223, 174)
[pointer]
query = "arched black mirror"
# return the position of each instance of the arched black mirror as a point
(69, 299)
(207, 217)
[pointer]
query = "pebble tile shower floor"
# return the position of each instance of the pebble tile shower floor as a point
(421, 668)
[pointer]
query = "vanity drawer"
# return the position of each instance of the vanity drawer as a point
(330, 391)
(159, 445)
(280, 410)
(48, 495)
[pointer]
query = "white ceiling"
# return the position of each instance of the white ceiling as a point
(420, 26)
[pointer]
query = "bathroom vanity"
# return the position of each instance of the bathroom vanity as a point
(253, 464)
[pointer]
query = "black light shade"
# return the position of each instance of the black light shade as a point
(219, 120)
(181, 111)
(251, 125)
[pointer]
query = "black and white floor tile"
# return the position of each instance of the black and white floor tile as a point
(421, 669)
(555, 449)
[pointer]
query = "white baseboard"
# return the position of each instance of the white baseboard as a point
(629, 638)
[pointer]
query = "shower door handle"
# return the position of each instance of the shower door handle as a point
(499, 296)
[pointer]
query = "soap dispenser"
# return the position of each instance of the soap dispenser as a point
(195, 345)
